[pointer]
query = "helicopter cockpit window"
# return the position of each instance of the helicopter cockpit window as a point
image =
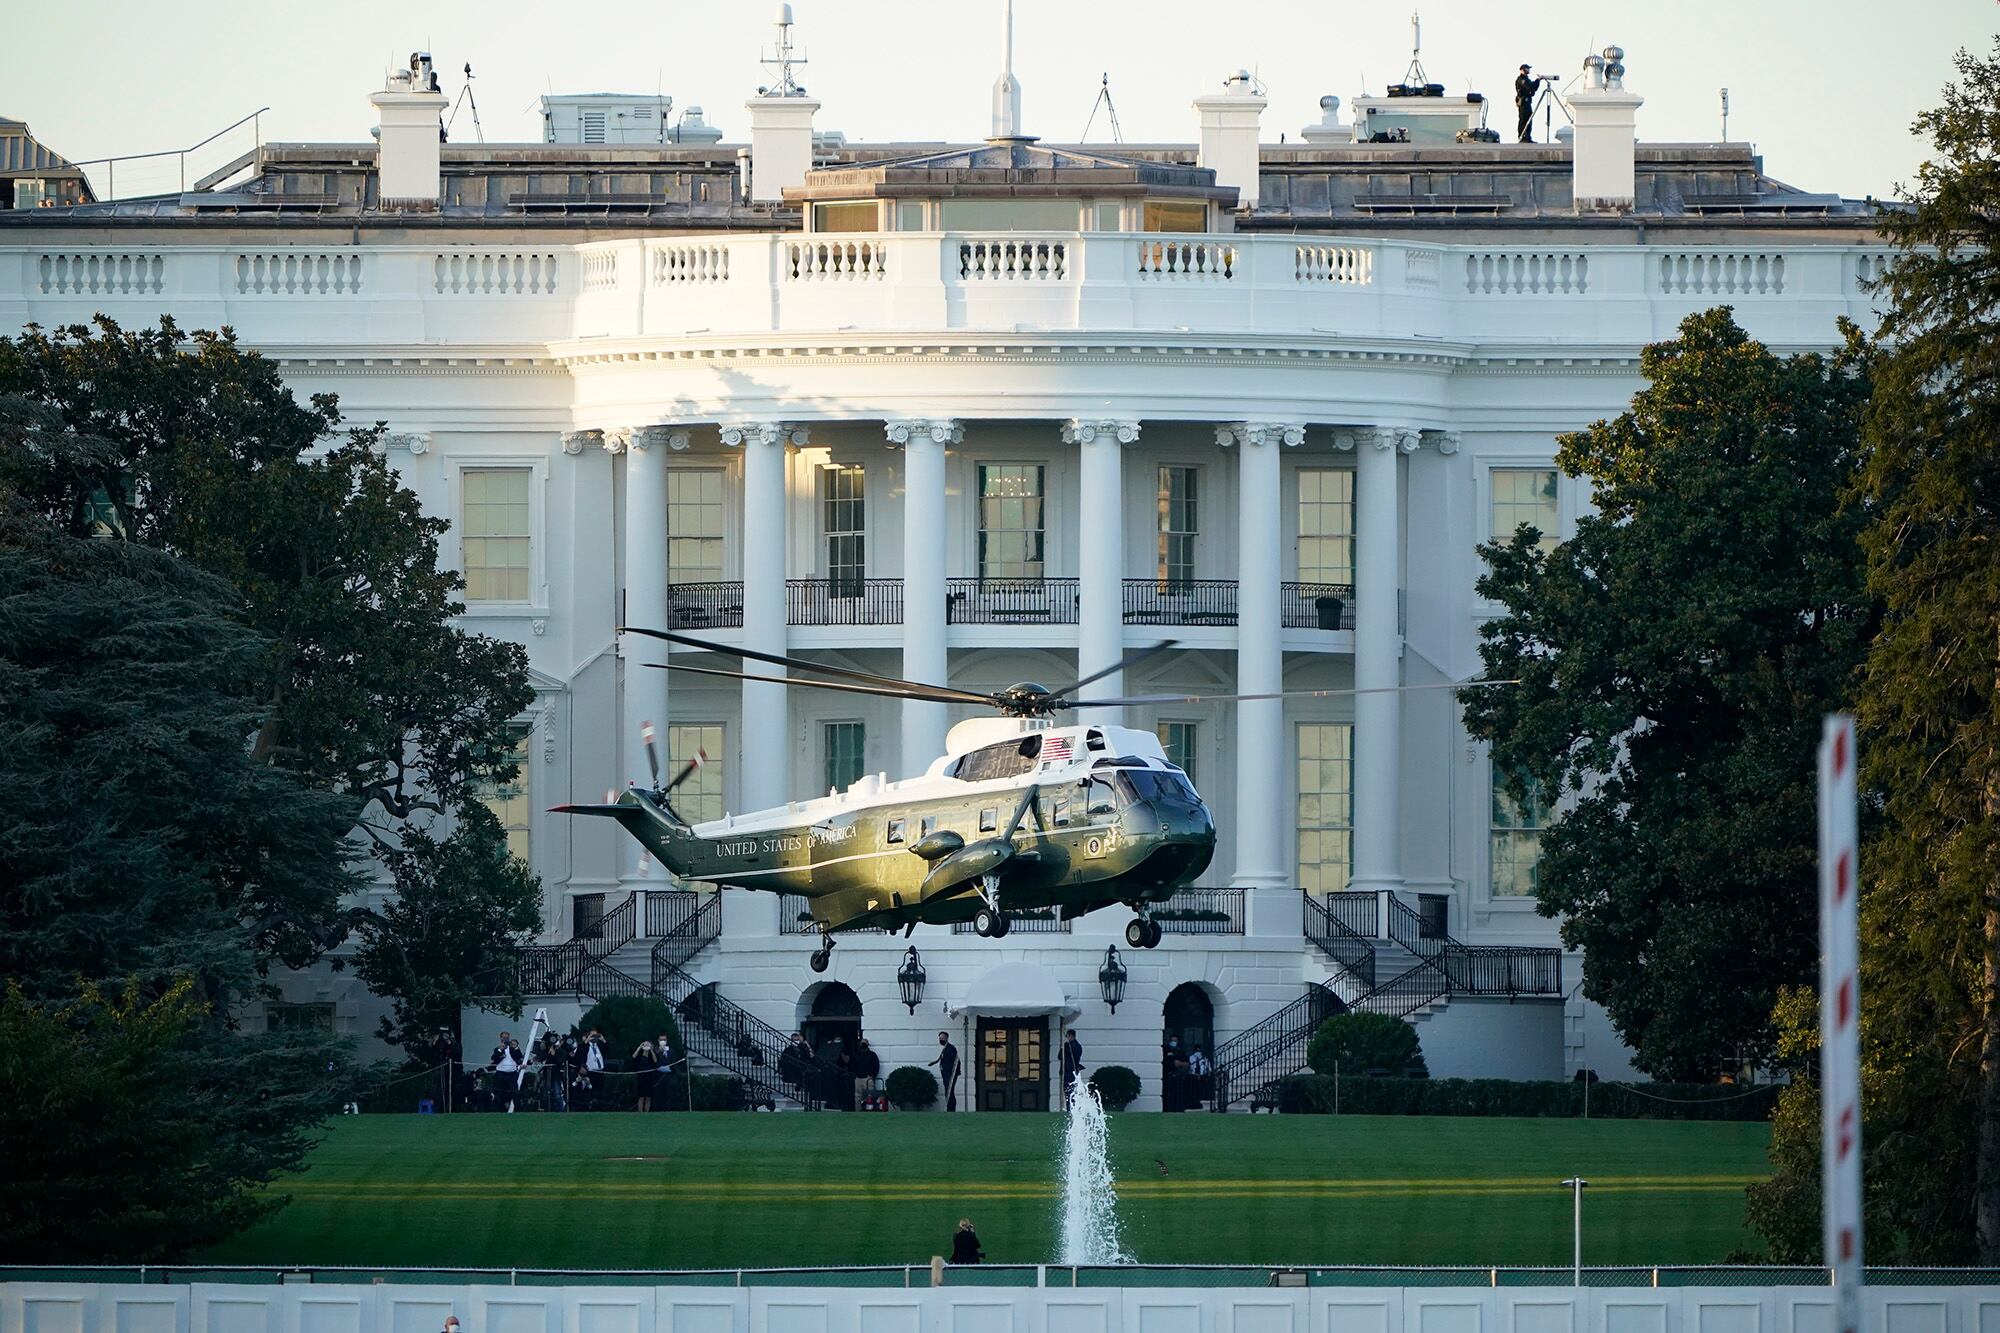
(1005, 760)
(1100, 796)
(895, 831)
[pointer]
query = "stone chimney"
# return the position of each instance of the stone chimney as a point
(1605, 179)
(1229, 135)
(781, 144)
(406, 157)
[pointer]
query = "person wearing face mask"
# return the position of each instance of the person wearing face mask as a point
(506, 1064)
(947, 1067)
(646, 1063)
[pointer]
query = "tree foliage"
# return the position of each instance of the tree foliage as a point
(1355, 1043)
(1675, 657)
(446, 938)
(912, 1088)
(1930, 713)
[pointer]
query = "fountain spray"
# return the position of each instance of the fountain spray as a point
(1089, 1196)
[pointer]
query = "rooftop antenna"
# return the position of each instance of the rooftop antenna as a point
(466, 99)
(1111, 109)
(1725, 115)
(784, 58)
(1006, 88)
(1416, 53)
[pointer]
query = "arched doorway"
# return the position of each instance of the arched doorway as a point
(1188, 1026)
(835, 1013)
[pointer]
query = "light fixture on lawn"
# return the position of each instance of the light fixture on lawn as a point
(910, 979)
(1111, 978)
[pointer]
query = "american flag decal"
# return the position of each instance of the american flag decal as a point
(1055, 749)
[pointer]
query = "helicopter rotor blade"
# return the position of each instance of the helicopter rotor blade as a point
(652, 753)
(1130, 659)
(1282, 694)
(884, 692)
(800, 664)
(687, 771)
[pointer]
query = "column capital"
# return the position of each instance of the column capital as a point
(1078, 430)
(647, 437)
(1291, 434)
(1444, 441)
(1402, 439)
(416, 441)
(738, 433)
(575, 442)
(938, 430)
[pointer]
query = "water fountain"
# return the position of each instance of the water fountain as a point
(1089, 1194)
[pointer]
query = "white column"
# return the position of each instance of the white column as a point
(645, 604)
(765, 778)
(1378, 652)
(1261, 751)
(1100, 638)
(924, 655)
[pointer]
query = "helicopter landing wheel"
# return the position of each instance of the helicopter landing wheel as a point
(1143, 932)
(989, 924)
(1001, 927)
(821, 957)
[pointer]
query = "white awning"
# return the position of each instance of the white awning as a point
(1016, 990)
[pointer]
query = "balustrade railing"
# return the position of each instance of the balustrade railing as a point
(1013, 260)
(694, 261)
(1034, 921)
(101, 273)
(1180, 601)
(1187, 260)
(1526, 273)
(1360, 913)
(705, 605)
(1351, 265)
(1722, 273)
(293, 273)
(512, 273)
(844, 601)
(1316, 605)
(1010, 601)
(827, 260)
(1202, 912)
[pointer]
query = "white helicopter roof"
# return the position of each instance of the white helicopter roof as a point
(1066, 752)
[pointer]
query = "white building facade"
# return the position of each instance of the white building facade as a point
(989, 414)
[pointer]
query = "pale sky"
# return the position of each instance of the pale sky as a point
(1825, 89)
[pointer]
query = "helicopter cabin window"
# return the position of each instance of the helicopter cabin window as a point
(896, 830)
(1005, 760)
(989, 819)
(1060, 813)
(926, 826)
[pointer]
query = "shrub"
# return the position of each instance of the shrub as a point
(912, 1089)
(1357, 1043)
(627, 1020)
(1116, 1086)
(1313, 1094)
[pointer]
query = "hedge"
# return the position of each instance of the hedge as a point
(1312, 1094)
(912, 1088)
(1117, 1087)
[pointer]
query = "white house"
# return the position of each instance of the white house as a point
(985, 413)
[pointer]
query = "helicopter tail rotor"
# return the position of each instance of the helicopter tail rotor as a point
(687, 771)
(652, 753)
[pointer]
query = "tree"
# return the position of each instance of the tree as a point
(140, 842)
(447, 936)
(1355, 1043)
(1674, 658)
(1930, 711)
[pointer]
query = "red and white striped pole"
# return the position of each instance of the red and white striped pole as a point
(1840, 1017)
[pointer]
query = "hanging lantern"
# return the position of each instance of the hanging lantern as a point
(1111, 978)
(910, 979)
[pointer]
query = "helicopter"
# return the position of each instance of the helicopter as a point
(1019, 814)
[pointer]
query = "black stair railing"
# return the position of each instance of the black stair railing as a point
(1488, 969)
(683, 922)
(732, 1038)
(553, 969)
(1255, 1060)
(1351, 951)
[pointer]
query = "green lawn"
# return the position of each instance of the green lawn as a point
(698, 1191)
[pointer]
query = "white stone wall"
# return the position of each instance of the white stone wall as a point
(47, 1307)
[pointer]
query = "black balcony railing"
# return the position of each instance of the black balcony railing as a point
(1010, 601)
(844, 601)
(1202, 912)
(1180, 601)
(1035, 921)
(705, 605)
(1316, 605)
